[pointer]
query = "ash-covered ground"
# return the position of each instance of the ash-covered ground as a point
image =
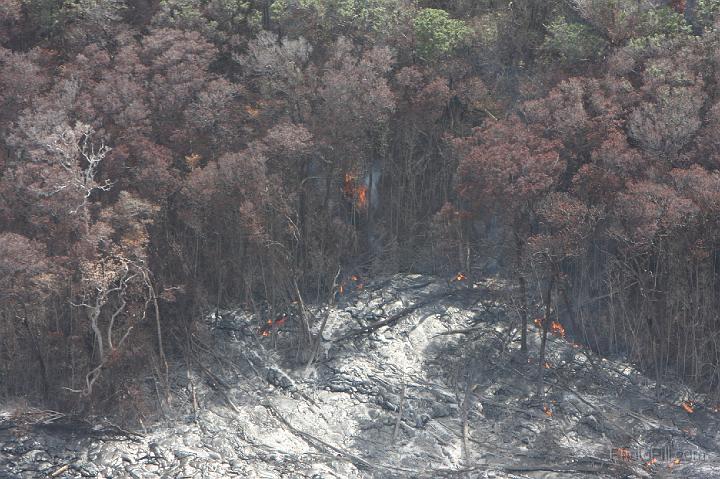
(414, 377)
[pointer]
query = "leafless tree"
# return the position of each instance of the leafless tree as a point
(80, 158)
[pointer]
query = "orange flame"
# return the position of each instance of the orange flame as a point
(538, 322)
(265, 331)
(355, 192)
(687, 407)
(354, 277)
(548, 412)
(674, 462)
(651, 462)
(547, 365)
(557, 329)
(460, 277)
(361, 201)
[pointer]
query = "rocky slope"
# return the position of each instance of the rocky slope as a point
(414, 377)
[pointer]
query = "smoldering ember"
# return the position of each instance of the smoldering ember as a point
(359, 238)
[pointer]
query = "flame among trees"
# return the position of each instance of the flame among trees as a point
(163, 165)
(355, 191)
(603, 199)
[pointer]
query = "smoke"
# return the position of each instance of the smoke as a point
(371, 181)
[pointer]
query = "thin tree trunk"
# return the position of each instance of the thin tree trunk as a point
(523, 291)
(543, 342)
(523, 313)
(36, 349)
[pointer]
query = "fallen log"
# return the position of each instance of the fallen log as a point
(397, 316)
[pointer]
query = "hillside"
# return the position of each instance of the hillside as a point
(415, 376)
(160, 159)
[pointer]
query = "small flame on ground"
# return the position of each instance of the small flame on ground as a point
(557, 329)
(265, 331)
(687, 407)
(353, 279)
(548, 412)
(674, 462)
(460, 277)
(547, 365)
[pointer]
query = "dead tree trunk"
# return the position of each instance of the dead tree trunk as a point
(523, 313)
(547, 300)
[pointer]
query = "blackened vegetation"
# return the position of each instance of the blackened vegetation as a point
(443, 392)
(159, 160)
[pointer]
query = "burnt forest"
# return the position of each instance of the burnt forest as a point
(360, 239)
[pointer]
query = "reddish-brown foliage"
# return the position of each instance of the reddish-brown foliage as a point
(506, 165)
